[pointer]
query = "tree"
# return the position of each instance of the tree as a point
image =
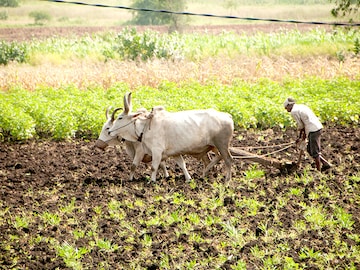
(231, 4)
(9, 3)
(158, 18)
(345, 7)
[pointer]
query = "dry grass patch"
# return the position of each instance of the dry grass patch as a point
(84, 73)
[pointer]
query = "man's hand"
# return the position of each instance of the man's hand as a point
(302, 135)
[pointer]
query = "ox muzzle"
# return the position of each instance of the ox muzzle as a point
(101, 144)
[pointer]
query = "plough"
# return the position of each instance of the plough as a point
(283, 166)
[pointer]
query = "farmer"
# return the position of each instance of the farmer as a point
(309, 126)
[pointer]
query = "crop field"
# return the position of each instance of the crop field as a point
(65, 204)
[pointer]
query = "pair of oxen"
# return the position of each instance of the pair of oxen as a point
(157, 135)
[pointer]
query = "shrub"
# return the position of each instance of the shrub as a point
(146, 46)
(12, 52)
(40, 16)
(4, 15)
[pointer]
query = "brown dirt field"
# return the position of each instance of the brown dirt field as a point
(78, 168)
(20, 34)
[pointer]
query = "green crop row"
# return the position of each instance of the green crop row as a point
(133, 45)
(70, 112)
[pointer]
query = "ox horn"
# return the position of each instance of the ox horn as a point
(127, 103)
(107, 112)
(113, 114)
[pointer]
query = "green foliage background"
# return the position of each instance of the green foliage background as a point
(70, 112)
(129, 44)
(154, 18)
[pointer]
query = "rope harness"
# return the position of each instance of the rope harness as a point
(122, 126)
(150, 117)
(139, 137)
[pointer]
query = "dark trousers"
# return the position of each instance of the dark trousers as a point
(313, 147)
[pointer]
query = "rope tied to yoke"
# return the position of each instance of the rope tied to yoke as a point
(150, 117)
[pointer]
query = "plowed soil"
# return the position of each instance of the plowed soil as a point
(19, 34)
(78, 169)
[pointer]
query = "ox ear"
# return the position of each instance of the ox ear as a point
(113, 114)
(127, 103)
(137, 115)
(107, 112)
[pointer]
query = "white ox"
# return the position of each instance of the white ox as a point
(131, 148)
(106, 140)
(167, 134)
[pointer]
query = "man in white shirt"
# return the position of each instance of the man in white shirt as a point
(309, 126)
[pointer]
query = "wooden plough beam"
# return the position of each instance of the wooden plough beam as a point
(266, 161)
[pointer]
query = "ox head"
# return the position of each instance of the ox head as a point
(122, 125)
(105, 139)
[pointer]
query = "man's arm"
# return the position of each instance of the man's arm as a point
(302, 134)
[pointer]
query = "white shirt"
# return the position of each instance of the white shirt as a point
(305, 118)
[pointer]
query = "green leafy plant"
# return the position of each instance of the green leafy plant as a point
(343, 218)
(316, 216)
(115, 211)
(12, 51)
(254, 172)
(71, 255)
(51, 218)
(146, 46)
(21, 222)
(15, 124)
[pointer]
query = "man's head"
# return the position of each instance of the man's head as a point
(289, 103)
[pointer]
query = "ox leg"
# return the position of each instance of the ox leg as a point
(134, 165)
(228, 162)
(224, 154)
(214, 161)
(206, 159)
(156, 160)
(139, 155)
(181, 163)
(163, 167)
